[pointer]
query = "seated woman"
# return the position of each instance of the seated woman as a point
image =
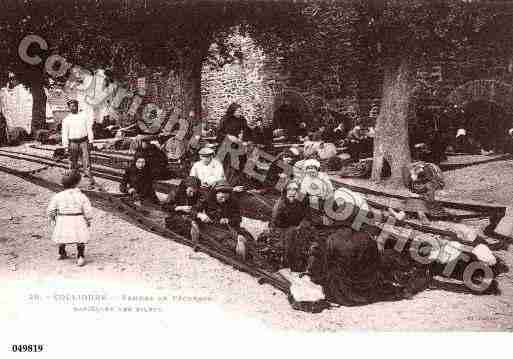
(424, 179)
(221, 218)
(464, 143)
(317, 186)
(280, 244)
(358, 273)
(182, 206)
(138, 181)
(356, 143)
(156, 159)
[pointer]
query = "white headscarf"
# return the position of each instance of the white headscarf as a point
(312, 162)
(461, 132)
(510, 131)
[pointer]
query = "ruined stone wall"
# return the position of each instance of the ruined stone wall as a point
(245, 81)
(259, 83)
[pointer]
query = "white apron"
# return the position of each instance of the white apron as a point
(72, 212)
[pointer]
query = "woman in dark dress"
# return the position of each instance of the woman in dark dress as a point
(234, 124)
(289, 216)
(220, 219)
(138, 181)
(291, 240)
(358, 273)
(182, 206)
(156, 159)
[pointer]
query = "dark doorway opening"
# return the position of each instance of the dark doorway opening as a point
(288, 117)
(487, 123)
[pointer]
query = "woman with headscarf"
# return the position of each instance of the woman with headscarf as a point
(463, 143)
(138, 181)
(182, 206)
(356, 142)
(317, 186)
(221, 218)
(156, 158)
(278, 244)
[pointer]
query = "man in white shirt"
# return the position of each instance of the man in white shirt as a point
(77, 137)
(208, 169)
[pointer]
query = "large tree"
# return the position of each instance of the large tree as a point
(364, 48)
(171, 35)
(81, 32)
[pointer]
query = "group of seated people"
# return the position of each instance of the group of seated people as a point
(207, 205)
(433, 146)
(206, 196)
(358, 141)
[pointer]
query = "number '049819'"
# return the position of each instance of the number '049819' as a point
(23, 348)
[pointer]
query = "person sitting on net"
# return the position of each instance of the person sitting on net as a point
(156, 158)
(138, 181)
(182, 206)
(463, 143)
(356, 142)
(221, 217)
(317, 186)
(290, 213)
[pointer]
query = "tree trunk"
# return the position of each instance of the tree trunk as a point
(38, 106)
(391, 140)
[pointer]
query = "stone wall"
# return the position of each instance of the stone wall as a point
(260, 85)
(245, 81)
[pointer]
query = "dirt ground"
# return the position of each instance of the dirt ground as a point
(123, 253)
